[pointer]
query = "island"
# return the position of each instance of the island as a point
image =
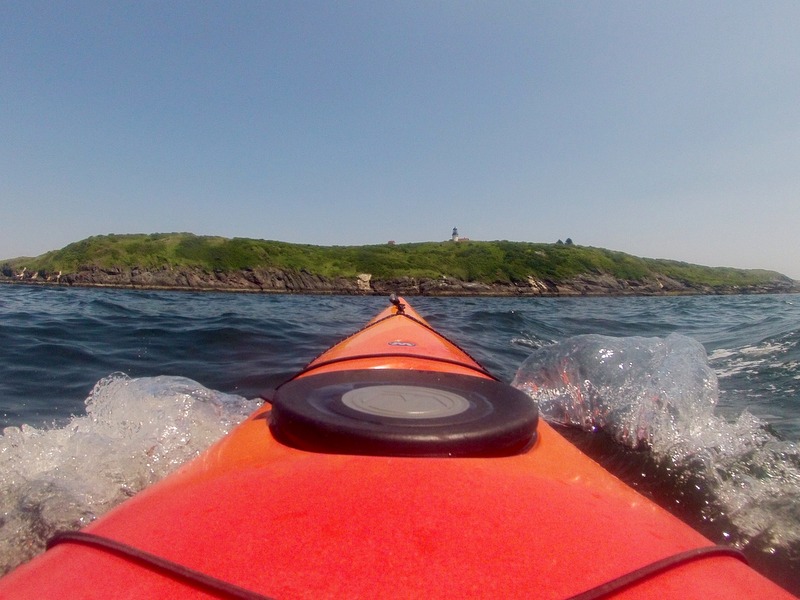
(456, 267)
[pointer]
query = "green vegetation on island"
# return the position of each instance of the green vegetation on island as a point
(495, 262)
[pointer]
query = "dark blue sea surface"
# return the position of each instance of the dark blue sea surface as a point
(91, 379)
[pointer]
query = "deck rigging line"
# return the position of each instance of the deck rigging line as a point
(230, 590)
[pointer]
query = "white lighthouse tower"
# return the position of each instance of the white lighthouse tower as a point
(455, 234)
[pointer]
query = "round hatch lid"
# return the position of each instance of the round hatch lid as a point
(403, 413)
(405, 402)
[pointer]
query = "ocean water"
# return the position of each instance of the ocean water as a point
(695, 401)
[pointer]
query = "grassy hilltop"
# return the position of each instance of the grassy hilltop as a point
(495, 262)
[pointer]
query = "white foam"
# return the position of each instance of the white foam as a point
(661, 393)
(134, 432)
(749, 359)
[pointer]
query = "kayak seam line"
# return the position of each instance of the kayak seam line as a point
(445, 338)
(156, 563)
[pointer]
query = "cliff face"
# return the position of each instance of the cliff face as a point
(302, 282)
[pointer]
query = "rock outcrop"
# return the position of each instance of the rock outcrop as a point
(273, 280)
(245, 280)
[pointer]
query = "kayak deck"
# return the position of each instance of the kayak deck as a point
(544, 521)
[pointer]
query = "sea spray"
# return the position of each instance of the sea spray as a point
(134, 432)
(659, 395)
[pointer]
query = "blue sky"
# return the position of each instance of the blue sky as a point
(666, 130)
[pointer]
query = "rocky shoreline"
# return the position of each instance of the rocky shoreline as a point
(302, 282)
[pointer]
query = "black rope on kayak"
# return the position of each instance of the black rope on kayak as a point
(665, 564)
(449, 361)
(226, 589)
(156, 563)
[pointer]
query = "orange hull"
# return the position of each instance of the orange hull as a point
(535, 518)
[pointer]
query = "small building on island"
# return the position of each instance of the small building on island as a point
(458, 238)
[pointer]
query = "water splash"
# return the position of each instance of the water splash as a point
(134, 432)
(659, 394)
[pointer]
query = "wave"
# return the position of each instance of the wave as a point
(134, 432)
(658, 395)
